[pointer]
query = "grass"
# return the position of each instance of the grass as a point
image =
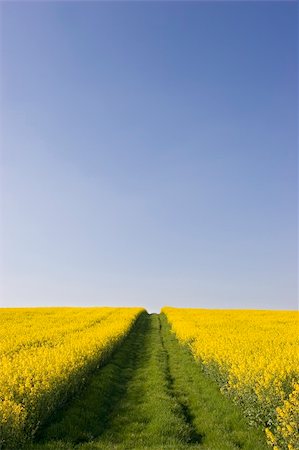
(150, 395)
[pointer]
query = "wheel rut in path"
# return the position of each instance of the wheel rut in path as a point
(194, 436)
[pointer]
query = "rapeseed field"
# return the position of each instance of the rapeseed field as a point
(254, 357)
(46, 354)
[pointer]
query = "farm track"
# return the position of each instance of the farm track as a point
(150, 395)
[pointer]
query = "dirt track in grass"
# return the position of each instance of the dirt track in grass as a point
(150, 395)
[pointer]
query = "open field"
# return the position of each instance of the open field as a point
(118, 378)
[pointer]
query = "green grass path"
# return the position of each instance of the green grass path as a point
(151, 395)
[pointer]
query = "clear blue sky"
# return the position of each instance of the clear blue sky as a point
(149, 154)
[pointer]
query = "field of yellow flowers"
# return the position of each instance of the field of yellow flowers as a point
(46, 355)
(254, 356)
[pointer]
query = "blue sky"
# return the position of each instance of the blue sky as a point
(149, 154)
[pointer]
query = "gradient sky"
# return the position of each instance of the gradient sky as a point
(149, 154)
